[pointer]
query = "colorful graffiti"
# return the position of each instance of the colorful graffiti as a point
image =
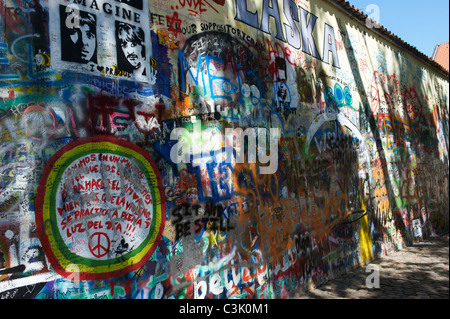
(102, 197)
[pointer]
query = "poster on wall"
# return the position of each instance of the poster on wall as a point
(101, 37)
(417, 227)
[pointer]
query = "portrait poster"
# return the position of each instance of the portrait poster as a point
(417, 227)
(101, 37)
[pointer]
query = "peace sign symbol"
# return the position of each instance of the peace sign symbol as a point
(99, 244)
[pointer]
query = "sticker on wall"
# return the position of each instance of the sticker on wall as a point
(100, 208)
(104, 37)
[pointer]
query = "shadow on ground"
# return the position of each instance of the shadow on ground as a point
(416, 272)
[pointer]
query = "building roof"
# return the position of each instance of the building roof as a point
(441, 55)
(359, 15)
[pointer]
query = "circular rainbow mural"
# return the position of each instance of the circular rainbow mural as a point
(100, 208)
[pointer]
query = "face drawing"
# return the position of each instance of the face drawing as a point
(133, 53)
(85, 36)
(88, 41)
(79, 40)
(130, 39)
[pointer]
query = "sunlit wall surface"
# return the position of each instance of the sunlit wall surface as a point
(210, 148)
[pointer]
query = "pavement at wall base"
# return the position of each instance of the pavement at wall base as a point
(420, 271)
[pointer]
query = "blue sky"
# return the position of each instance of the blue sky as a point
(422, 24)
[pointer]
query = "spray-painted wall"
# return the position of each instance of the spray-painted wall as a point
(101, 196)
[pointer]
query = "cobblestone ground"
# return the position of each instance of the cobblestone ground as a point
(417, 272)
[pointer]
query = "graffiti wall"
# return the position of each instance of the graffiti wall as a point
(209, 148)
